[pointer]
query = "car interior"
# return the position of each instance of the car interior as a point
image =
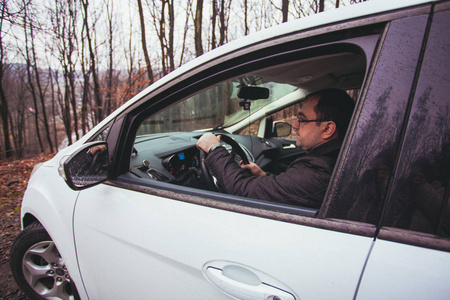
(249, 110)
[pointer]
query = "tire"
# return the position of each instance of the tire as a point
(38, 267)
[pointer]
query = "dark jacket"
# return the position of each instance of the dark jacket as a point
(304, 183)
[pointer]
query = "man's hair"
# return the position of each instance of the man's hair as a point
(334, 105)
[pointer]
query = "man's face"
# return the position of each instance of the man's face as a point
(309, 134)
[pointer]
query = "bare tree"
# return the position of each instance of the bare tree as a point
(169, 41)
(14, 80)
(224, 17)
(98, 108)
(10, 18)
(144, 42)
(285, 10)
(198, 28)
(213, 23)
(31, 81)
(31, 59)
(86, 73)
(246, 28)
(298, 9)
(160, 10)
(185, 31)
(109, 105)
(321, 5)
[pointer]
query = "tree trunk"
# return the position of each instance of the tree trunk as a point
(4, 110)
(224, 16)
(186, 28)
(39, 87)
(98, 109)
(31, 85)
(213, 24)
(246, 29)
(198, 28)
(170, 52)
(285, 10)
(109, 89)
(321, 5)
(144, 43)
(55, 136)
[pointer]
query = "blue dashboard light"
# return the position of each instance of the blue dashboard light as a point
(181, 155)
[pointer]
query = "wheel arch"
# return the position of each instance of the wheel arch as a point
(27, 219)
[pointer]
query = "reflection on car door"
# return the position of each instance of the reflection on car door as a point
(417, 209)
(132, 245)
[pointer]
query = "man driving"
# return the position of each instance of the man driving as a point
(322, 122)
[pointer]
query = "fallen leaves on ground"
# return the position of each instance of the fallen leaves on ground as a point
(14, 175)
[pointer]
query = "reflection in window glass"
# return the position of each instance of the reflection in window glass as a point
(361, 184)
(213, 108)
(420, 198)
(102, 135)
(252, 129)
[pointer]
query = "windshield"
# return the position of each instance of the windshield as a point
(216, 107)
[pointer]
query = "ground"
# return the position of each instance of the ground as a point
(14, 175)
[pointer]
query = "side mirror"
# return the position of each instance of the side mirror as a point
(281, 129)
(88, 166)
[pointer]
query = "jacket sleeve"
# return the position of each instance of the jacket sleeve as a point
(304, 182)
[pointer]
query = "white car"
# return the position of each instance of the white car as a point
(114, 216)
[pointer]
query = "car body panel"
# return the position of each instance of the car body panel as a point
(168, 243)
(53, 205)
(405, 272)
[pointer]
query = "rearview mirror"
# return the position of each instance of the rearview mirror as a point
(253, 93)
(87, 167)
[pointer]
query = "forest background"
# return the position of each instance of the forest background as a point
(67, 64)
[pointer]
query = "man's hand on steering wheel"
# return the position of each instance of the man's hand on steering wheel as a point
(208, 140)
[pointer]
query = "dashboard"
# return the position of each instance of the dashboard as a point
(171, 157)
(182, 161)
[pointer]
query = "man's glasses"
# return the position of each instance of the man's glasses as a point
(300, 120)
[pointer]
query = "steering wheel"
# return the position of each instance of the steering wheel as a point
(206, 175)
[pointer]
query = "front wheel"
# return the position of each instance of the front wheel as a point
(38, 267)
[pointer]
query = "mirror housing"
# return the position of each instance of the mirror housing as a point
(253, 93)
(281, 129)
(88, 166)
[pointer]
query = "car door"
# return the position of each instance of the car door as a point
(414, 239)
(134, 245)
(160, 241)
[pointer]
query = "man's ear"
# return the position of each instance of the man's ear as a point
(329, 131)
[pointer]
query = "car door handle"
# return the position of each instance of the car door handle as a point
(290, 146)
(242, 283)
